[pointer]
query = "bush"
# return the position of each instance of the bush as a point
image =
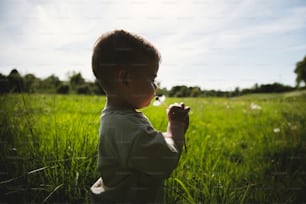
(83, 89)
(63, 89)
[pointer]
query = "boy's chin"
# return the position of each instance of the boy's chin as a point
(143, 105)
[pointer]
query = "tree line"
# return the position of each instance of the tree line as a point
(29, 83)
(14, 82)
(76, 84)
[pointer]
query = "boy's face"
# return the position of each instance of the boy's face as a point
(142, 85)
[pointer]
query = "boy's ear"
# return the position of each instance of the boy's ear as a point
(123, 77)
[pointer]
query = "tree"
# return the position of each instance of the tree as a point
(195, 91)
(179, 91)
(15, 81)
(83, 89)
(53, 80)
(63, 89)
(300, 71)
(50, 84)
(30, 80)
(4, 85)
(76, 80)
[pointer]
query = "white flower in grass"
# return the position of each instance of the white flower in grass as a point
(159, 100)
(254, 106)
(276, 130)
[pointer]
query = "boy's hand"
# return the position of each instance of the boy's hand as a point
(179, 113)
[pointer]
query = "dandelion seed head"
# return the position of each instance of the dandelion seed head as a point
(159, 100)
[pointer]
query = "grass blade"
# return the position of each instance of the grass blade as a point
(55, 189)
(190, 199)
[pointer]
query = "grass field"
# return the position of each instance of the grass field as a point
(249, 149)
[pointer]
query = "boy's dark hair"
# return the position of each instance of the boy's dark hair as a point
(118, 48)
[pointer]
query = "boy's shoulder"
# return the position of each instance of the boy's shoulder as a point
(123, 122)
(122, 116)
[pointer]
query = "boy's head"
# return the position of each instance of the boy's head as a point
(120, 50)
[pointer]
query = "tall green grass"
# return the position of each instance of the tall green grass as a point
(236, 154)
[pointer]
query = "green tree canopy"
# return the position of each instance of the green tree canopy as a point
(30, 82)
(51, 82)
(16, 82)
(76, 80)
(300, 71)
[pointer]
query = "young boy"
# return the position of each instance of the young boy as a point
(134, 159)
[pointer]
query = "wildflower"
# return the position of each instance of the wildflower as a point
(254, 106)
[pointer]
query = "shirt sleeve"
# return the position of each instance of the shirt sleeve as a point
(151, 153)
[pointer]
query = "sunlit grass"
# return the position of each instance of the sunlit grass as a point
(236, 154)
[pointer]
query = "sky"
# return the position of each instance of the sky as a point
(213, 44)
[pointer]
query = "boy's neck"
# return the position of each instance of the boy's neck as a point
(115, 101)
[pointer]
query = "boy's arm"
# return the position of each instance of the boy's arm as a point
(178, 124)
(149, 153)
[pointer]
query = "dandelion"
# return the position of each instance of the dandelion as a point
(159, 100)
(276, 130)
(254, 107)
